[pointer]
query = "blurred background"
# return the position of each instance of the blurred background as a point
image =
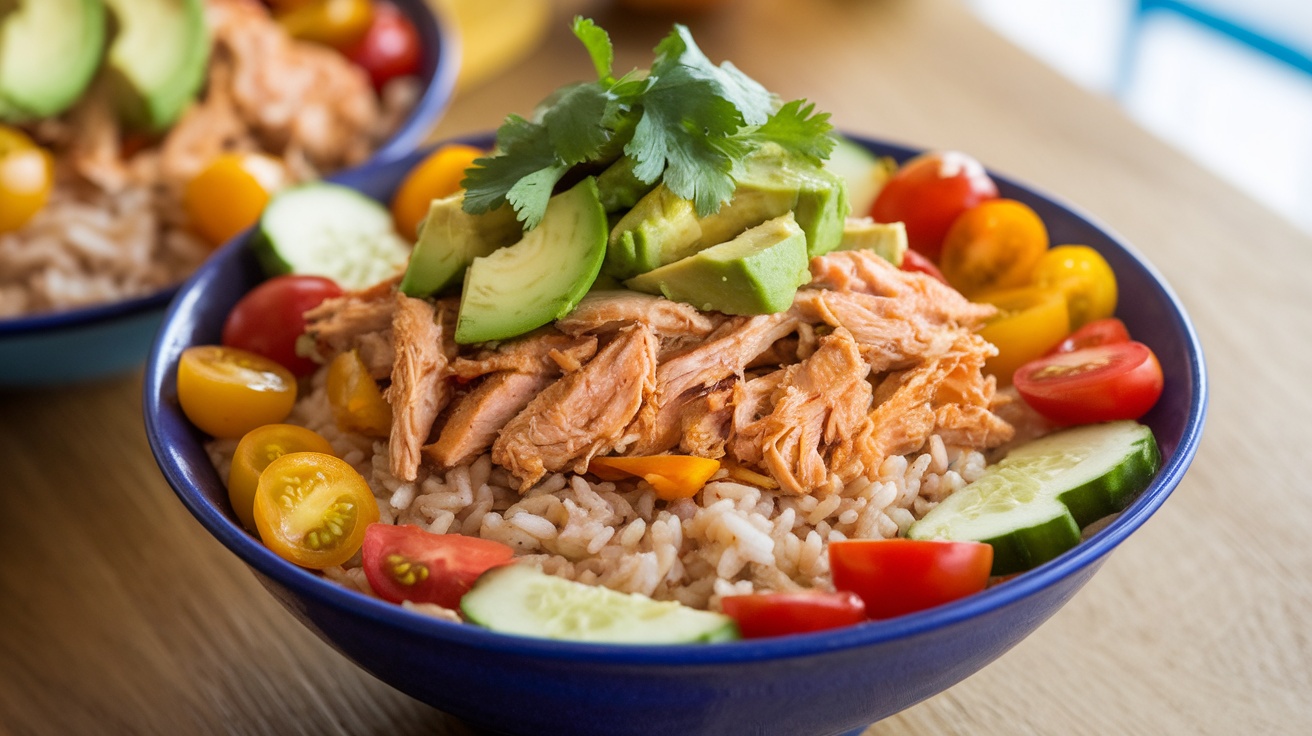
(1229, 82)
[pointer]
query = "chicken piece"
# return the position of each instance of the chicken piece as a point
(477, 417)
(583, 414)
(815, 409)
(707, 420)
(727, 352)
(419, 389)
(301, 99)
(206, 130)
(359, 320)
(892, 336)
(864, 272)
(544, 350)
(605, 312)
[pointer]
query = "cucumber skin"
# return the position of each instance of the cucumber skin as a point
(1087, 506)
(1028, 548)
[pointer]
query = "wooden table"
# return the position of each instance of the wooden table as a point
(118, 613)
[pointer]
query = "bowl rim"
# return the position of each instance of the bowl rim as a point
(314, 587)
(437, 30)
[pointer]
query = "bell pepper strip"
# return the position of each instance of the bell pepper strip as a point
(672, 476)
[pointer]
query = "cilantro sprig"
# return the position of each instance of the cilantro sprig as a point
(685, 119)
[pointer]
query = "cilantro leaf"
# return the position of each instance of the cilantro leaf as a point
(797, 127)
(525, 149)
(597, 42)
(577, 123)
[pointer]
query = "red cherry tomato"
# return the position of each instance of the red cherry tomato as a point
(776, 614)
(270, 318)
(1107, 331)
(900, 576)
(1098, 384)
(914, 261)
(406, 563)
(390, 48)
(928, 192)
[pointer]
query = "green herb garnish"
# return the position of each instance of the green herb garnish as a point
(685, 119)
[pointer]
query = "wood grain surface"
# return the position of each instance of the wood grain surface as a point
(119, 614)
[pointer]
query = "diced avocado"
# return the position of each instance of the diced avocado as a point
(542, 277)
(157, 59)
(450, 239)
(887, 239)
(757, 272)
(663, 228)
(49, 51)
(620, 188)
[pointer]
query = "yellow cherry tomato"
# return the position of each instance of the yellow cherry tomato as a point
(438, 175)
(227, 392)
(1030, 321)
(257, 449)
(672, 476)
(1084, 276)
(993, 245)
(27, 173)
(229, 194)
(336, 23)
(311, 509)
(356, 401)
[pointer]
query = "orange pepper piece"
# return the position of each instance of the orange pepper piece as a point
(672, 476)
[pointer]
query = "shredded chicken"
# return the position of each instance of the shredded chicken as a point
(419, 389)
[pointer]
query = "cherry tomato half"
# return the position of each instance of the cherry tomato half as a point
(337, 23)
(270, 318)
(255, 451)
(227, 392)
(1099, 384)
(406, 563)
(1030, 321)
(900, 576)
(993, 245)
(312, 509)
(390, 47)
(1098, 332)
(27, 174)
(777, 614)
(913, 261)
(438, 175)
(356, 401)
(1084, 276)
(229, 194)
(928, 192)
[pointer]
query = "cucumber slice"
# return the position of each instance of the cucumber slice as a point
(521, 599)
(1032, 505)
(864, 172)
(326, 229)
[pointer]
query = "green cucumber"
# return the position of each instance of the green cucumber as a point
(521, 599)
(862, 171)
(1032, 505)
(326, 229)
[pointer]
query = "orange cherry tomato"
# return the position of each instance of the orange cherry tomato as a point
(228, 392)
(255, 451)
(229, 194)
(337, 23)
(438, 175)
(993, 245)
(312, 509)
(1029, 323)
(1084, 276)
(27, 174)
(355, 399)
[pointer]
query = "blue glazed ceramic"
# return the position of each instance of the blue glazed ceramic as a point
(106, 340)
(823, 683)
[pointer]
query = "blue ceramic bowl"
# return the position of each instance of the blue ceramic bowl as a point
(106, 340)
(823, 683)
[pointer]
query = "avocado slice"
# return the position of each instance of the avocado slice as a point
(620, 188)
(49, 52)
(450, 239)
(757, 272)
(663, 228)
(542, 277)
(157, 59)
(887, 239)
